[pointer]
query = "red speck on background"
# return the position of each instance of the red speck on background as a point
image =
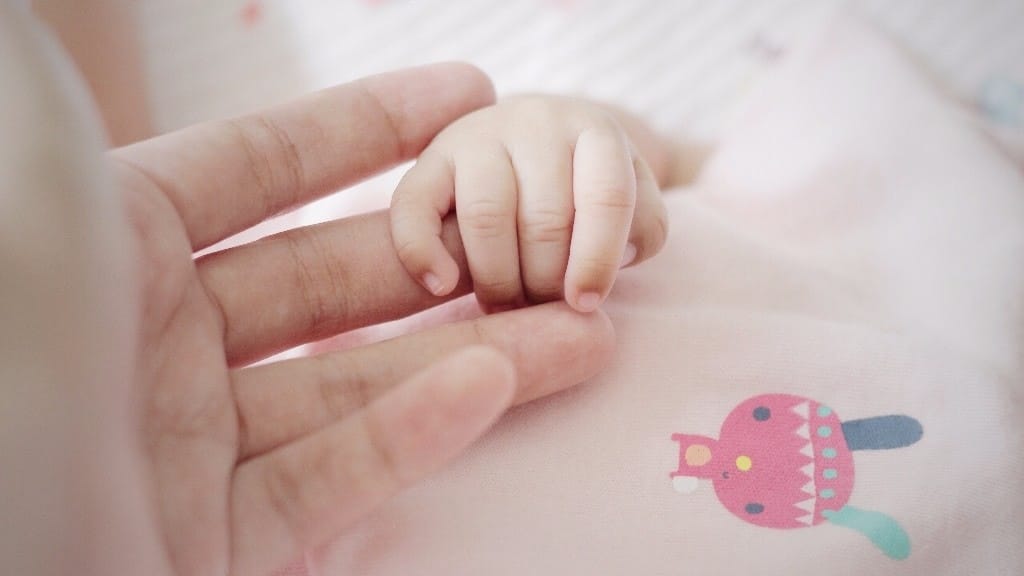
(251, 13)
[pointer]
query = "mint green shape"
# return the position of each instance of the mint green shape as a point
(882, 530)
(829, 473)
(824, 411)
(829, 452)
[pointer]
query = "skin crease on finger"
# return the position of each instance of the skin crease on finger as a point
(552, 347)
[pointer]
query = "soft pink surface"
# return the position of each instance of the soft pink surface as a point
(855, 240)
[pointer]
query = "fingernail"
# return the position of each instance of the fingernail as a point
(433, 283)
(588, 302)
(628, 255)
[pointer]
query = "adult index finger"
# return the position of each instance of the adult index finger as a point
(224, 177)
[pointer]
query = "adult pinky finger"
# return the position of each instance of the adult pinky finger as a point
(302, 494)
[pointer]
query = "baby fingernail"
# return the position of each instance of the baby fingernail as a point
(433, 283)
(628, 255)
(589, 301)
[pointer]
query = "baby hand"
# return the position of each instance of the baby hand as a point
(552, 199)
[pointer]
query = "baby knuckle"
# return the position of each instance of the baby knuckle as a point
(546, 227)
(612, 196)
(539, 109)
(595, 268)
(495, 289)
(604, 125)
(485, 218)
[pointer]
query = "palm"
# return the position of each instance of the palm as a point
(190, 421)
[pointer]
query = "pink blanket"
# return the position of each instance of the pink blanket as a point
(827, 358)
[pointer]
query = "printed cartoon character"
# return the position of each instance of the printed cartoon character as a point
(784, 461)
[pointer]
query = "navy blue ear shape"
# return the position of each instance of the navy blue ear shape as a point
(882, 432)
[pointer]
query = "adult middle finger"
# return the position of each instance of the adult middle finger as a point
(314, 282)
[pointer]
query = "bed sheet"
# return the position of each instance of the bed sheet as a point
(680, 64)
(685, 66)
(832, 342)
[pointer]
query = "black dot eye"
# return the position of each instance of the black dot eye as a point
(725, 474)
(762, 413)
(754, 508)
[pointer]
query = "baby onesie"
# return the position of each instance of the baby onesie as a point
(822, 372)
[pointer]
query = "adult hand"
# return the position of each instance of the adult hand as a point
(135, 439)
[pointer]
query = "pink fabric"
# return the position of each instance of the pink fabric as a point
(856, 241)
